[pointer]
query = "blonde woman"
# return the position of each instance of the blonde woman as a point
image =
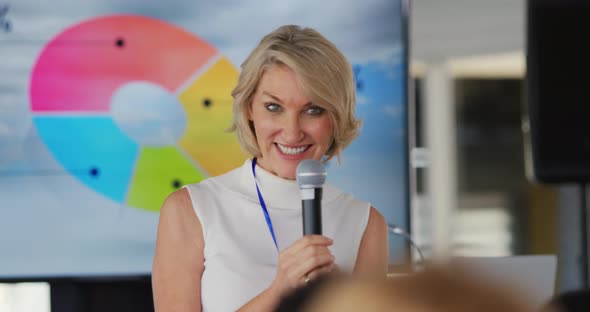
(234, 242)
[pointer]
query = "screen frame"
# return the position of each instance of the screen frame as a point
(407, 178)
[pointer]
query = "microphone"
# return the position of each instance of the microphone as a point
(311, 175)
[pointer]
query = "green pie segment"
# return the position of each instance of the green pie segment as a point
(158, 172)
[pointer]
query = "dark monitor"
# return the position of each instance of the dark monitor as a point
(558, 75)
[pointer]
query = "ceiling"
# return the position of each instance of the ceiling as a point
(450, 29)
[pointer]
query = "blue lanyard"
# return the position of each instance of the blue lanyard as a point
(263, 205)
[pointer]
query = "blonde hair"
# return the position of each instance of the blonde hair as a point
(323, 73)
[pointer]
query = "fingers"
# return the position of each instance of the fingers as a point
(308, 254)
(312, 258)
(311, 246)
(306, 241)
(329, 268)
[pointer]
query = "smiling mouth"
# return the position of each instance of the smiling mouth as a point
(292, 150)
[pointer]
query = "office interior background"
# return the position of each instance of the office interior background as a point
(470, 190)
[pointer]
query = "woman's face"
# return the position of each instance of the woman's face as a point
(289, 128)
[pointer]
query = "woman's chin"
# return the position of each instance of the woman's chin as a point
(289, 175)
(286, 172)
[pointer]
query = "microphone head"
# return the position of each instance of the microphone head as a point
(310, 173)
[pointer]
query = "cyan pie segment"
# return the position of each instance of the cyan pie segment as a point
(106, 165)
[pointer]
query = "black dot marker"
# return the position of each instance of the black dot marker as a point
(207, 103)
(94, 172)
(120, 42)
(176, 184)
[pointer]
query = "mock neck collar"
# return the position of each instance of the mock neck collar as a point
(279, 192)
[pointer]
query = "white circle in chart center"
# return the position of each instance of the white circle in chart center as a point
(148, 114)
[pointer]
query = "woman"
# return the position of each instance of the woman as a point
(234, 242)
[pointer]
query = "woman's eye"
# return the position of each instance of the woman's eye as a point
(272, 107)
(315, 110)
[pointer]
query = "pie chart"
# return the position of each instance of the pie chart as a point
(134, 107)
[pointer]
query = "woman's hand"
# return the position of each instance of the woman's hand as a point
(303, 261)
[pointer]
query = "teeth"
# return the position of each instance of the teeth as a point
(292, 151)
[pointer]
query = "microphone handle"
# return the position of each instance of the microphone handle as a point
(312, 213)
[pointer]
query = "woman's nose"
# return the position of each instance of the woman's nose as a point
(292, 131)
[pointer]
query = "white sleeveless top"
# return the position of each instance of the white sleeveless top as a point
(240, 255)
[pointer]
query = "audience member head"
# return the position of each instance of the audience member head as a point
(433, 290)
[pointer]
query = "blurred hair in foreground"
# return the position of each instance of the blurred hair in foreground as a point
(435, 289)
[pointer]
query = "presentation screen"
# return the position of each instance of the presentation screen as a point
(108, 106)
